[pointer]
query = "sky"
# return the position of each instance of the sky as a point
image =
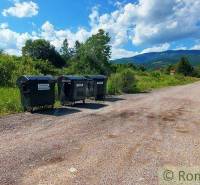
(135, 26)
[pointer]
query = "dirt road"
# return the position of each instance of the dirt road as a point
(122, 141)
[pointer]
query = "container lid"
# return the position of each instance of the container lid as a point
(72, 77)
(96, 77)
(25, 78)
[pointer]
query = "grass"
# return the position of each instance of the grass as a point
(146, 81)
(155, 80)
(10, 97)
(9, 101)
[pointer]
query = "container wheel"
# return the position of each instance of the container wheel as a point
(24, 109)
(30, 109)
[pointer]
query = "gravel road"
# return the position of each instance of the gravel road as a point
(122, 141)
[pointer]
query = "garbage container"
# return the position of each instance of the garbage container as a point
(36, 91)
(71, 89)
(89, 88)
(99, 86)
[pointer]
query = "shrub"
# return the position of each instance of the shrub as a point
(156, 75)
(184, 67)
(123, 82)
(114, 84)
(128, 81)
(7, 68)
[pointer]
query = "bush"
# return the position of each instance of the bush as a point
(45, 68)
(184, 67)
(128, 81)
(114, 83)
(155, 75)
(123, 82)
(7, 67)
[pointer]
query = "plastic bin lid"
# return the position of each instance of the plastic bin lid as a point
(25, 78)
(96, 77)
(71, 77)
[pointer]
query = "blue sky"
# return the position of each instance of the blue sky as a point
(135, 26)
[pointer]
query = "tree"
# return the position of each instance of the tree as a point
(169, 68)
(93, 56)
(1, 51)
(7, 68)
(42, 49)
(77, 45)
(65, 50)
(184, 67)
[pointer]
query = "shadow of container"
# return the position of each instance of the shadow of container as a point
(57, 112)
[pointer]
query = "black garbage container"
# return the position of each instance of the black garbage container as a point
(99, 86)
(71, 89)
(89, 88)
(36, 91)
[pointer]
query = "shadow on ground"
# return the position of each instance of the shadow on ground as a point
(113, 99)
(93, 106)
(57, 111)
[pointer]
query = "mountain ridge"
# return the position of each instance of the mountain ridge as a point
(161, 59)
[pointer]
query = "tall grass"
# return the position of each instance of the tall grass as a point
(9, 101)
(146, 81)
(155, 80)
(142, 81)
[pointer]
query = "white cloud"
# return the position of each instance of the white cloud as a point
(196, 47)
(56, 37)
(4, 25)
(181, 48)
(157, 48)
(22, 9)
(122, 53)
(11, 41)
(150, 23)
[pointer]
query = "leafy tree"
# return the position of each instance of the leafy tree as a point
(12, 67)
(196, 72)
(142, 68)
(7, 68)
(77, 45)
(45, 68)
(93, 56)
(184, 67)
(42, 49)
(1, 51)
(65, 51)
(169, 68)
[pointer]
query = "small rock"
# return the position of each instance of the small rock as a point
(72, 170)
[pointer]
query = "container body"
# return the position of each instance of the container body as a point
(98, 90)
(71, 89)
(36, 91)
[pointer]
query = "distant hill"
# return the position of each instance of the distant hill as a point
(162, 59)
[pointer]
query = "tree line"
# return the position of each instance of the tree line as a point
(40, 57)
(90, 57)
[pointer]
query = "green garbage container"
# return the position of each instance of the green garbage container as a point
(71, 89)
(99, 86)
(36, 91)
